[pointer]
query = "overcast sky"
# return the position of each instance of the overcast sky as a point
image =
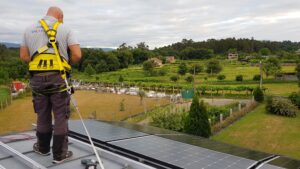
(108, 23)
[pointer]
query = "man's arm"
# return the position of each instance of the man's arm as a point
(24, 54)
(75, 53)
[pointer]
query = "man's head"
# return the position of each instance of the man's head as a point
(56, 13)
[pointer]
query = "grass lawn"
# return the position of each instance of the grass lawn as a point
(20, 114)
(261, 131)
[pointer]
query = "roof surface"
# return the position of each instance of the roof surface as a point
(135, 146)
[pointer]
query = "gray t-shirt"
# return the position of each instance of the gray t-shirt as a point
(35, 37)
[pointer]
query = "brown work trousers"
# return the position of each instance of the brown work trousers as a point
(46, 102)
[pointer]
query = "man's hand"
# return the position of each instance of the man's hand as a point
(75, 53)
(24, 54)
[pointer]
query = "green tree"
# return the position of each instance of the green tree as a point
(271, 66)
(221, 77)
(182, 68)
(239, 78)
(197, 120)
(258, 94)
(89, 70)
(197, 68)
(141, 94)
(148, 67)
(121, 79)
(189, 79)
(213, 66)
(174, 78)
(265, 51)
(4, 79)
(101, 67)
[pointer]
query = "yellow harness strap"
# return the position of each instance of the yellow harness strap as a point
(57, 63)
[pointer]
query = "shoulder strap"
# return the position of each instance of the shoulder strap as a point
(51, 33)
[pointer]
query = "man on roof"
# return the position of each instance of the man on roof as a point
(50, 47)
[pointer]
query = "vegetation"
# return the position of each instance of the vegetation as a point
(148, 67)
(221, 77)
(295, 99)
(213, 66)
(197, 120)
(258, 128)
(297, 69)
(256, 77)
(258, 94)
(182, 68)
(271, 66)
(239, 78)
(281, 106)
(195, 69)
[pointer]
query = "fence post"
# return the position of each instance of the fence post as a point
(240, 106)
(1, 106)
(230, 112)
(6, 102)
(221, 117)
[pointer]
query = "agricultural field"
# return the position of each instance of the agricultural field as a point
(135, 75)
(20, 114)
(265, 132)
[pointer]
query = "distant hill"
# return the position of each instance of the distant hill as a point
(10, 45)
(16, 45)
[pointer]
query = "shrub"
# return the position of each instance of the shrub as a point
(189, 79)
(162, 72)
(239, 78)
(197, 119)
(174, 78)
(213, 66)
(258, 95)
(182, 68)
(281, 106)
(256, 77)
(168, 120)
(295, 99)
(197, 68)
(221, 77)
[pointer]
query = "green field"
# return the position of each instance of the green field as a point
(135, 75)
(265, 132)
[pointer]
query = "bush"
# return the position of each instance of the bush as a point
(162, 72)
(213, 66)
(182, 68)
(168, 120)
(221, 77)
(295, 99)
(239, 78)
(258, 95)
(189, 79)
(197, 68)
(256, 77)
(281, 106)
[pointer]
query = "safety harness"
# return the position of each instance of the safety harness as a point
(49, 62)
(44, 62)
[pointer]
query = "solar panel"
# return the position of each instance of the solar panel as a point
(183, 155)
(103, 131)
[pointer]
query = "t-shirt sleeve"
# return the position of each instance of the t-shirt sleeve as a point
(72, 40)
(23, 41)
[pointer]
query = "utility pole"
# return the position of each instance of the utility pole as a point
(194, 78)
(261, 75)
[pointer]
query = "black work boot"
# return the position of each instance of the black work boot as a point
(60, 149)
(42, 146)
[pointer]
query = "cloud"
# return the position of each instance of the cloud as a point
(108, 23)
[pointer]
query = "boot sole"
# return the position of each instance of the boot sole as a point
(61, 161)
(46, 154)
